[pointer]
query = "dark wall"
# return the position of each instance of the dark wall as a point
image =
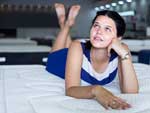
(24, 19)
(32, 18)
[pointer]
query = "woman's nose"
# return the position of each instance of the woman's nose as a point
(99, 30)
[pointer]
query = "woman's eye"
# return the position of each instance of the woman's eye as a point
(95, 25)
(108, 29)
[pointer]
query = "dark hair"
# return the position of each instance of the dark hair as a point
(119, 21)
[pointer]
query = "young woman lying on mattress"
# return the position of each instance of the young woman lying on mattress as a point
(97, 61)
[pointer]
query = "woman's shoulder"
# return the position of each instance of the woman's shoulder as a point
(75, 50)
(77, 41)
(84, 45)
(75, 44)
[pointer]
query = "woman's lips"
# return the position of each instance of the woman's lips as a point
(98, 38)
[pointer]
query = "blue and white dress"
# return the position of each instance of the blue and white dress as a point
(57, 62)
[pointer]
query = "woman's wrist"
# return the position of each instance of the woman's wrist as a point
(125, 56)
(95, 90)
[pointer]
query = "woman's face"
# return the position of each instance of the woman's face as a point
(102, 32)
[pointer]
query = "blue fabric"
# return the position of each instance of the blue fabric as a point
(144, 56)
(88, 78)
(86, 52)
(57, 62)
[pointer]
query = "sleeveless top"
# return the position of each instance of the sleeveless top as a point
(57, 62)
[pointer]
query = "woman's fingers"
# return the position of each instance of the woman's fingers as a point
(115, 105)
(111, 101)
(105, 104)
(118, 103)
(108, 100)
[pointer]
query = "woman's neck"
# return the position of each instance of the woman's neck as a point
(99, 59)
(99, 54)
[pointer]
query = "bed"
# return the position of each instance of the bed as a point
(31, 89)
(140, 50)
(27, 54)
(16, 41)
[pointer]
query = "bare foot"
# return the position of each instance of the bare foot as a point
(60, 11)
(74, 10)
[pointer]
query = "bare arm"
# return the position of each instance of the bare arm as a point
(127, 76)
(61, 39)
(73, 71)
(74, 89)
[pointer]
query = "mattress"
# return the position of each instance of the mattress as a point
(27, 54)
(137, 45)
(23, 48)
(16, 41)
(31, 89)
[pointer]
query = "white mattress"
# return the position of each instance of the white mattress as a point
(16, 41)
(24, 48)
(137, 45)
(136, 48)
(8, 53)
(31, 89)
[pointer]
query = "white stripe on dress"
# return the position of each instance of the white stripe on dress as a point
(86, 65)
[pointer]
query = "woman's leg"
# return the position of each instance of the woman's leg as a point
(60, 11)
(63, 39)
(73, 12)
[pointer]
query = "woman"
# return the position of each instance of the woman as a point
(97, 61)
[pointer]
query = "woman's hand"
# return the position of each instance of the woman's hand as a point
(120, 48)
(107, 99)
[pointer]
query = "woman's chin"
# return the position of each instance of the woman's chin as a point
(99, 45)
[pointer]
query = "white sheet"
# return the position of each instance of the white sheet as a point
(31, 89)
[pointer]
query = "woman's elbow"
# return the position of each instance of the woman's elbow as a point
(68, 92)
